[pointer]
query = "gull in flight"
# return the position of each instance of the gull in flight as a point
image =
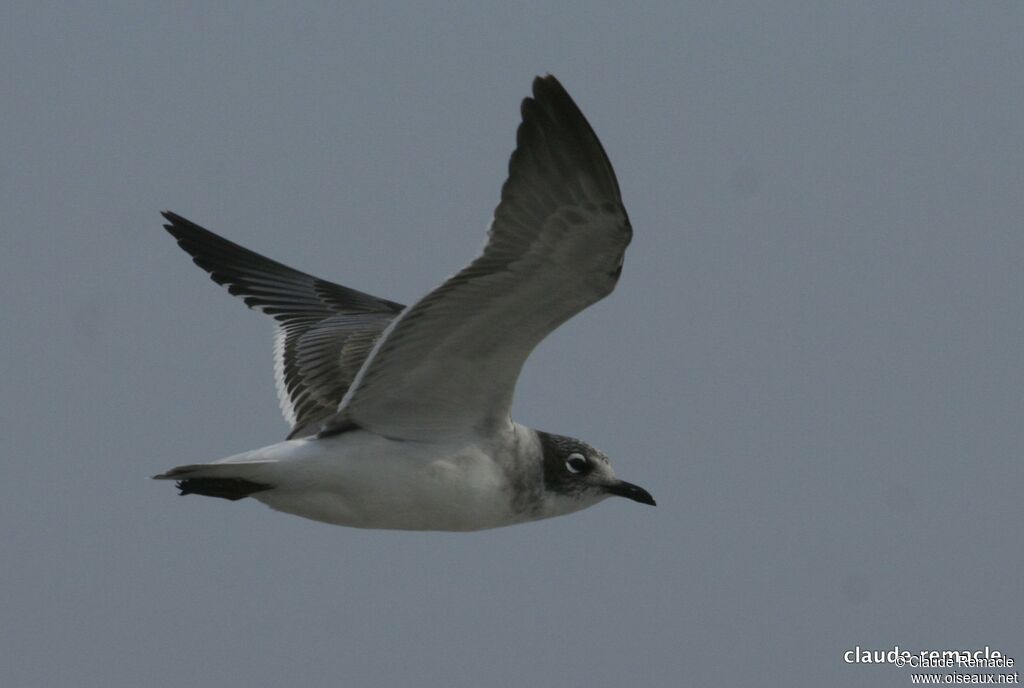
(400, 415)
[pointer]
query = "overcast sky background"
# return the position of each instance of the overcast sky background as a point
(813, 359)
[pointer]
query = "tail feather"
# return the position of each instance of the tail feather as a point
(230, 480)
(225, 488)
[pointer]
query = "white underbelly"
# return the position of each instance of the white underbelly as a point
(362, 480)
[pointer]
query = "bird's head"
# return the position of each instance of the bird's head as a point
(576, 475)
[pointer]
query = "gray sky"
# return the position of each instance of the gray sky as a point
(813, 359)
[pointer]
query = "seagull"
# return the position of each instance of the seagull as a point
(400, 415)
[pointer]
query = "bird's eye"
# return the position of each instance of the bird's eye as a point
(576, 463)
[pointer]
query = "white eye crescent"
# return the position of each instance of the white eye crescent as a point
(576, 463)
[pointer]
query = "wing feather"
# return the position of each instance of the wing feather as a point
(448, 364)
(324, 330)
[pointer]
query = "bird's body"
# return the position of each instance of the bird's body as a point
(401, 415)
(363, 480)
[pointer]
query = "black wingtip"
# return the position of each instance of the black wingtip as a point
(172, 217)
(546, 84)
(178, 226)
(551, 111)
(545, 78)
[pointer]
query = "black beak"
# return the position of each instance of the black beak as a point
(631, 491)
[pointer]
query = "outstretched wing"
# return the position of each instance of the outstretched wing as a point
(448, 365)
(324, 331)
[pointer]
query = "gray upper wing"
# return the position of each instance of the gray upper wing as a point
(324, 331)
(448, 364)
